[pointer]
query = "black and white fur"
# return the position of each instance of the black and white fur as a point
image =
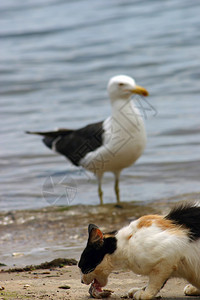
(158, 246)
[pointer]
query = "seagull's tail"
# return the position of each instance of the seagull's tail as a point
(36, 132)
(55, 133)
(50, 137)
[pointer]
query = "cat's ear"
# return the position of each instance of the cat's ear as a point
(95, 234)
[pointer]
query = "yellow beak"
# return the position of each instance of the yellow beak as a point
(140, 90)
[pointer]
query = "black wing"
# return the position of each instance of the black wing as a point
(74, 144)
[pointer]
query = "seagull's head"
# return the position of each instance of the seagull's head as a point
(123, 87)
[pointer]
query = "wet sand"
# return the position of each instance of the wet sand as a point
(34, 236)
(46, 284)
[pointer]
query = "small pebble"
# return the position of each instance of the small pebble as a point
(17, 254)
(65, 287)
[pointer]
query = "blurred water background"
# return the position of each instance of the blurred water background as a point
(56, 59)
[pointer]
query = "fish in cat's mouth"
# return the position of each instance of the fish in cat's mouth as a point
(96, 285)
(96, 291)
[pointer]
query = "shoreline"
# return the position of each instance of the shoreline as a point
(34, 236)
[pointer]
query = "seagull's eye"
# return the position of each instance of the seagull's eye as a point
(121, 84)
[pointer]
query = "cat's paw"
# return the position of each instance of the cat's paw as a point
(191, 290)
(132, 291)
(142, 295)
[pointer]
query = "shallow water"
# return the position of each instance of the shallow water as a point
(56, 58)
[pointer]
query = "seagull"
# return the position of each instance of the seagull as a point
(110, 145)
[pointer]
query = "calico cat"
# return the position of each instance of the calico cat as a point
(154, 245)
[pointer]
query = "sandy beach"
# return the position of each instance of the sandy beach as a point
(64, 283)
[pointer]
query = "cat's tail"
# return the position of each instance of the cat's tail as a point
(187, 216)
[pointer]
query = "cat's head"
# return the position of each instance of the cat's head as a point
(95, 263)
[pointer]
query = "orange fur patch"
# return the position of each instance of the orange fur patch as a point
(160, 221)
(147, 221)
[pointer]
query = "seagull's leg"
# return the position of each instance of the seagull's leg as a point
(117, 193)
(100, 192)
